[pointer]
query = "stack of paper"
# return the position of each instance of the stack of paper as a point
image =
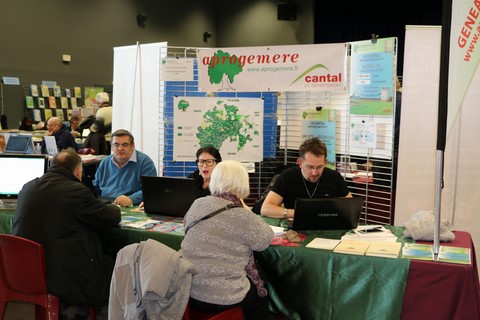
(371, 233)
(323, 243)
(358, 247)
(384, 249)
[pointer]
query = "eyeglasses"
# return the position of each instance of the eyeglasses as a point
(208, 162)
(311, 168)
(118, 145)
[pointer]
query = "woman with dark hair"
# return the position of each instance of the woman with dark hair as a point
(207, 158)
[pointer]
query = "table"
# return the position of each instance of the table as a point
(309, 283)
(437, 290)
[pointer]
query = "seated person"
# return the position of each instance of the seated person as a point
(311, 179)
(100, 130)
(64, 139)
(207, 158)
(59, 212)
(27, 125)
(74, 126)
(118, 175)
(227, 275)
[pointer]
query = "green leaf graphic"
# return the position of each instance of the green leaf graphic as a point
(308, 71)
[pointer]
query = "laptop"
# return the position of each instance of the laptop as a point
(15, 171)
(327, 213)
(19, 144)
(168, 196)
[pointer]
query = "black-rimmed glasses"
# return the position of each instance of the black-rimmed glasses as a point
(208, 162)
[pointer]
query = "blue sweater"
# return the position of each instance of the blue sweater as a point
(110, 181)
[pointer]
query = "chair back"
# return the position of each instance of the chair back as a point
(233, 313)
(22, 266)
(86, 151)
(23, 277)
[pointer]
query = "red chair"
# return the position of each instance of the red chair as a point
(235, 313)
(86, 151)
(23, 277)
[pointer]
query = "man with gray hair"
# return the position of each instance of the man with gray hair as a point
(63, 137)
(100, 131)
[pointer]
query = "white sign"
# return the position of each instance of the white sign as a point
(319, 67)
(51, 145)
(363, 134)
(177, 69)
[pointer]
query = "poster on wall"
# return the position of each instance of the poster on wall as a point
(363, 134)
(90, 94)
(174, 69)
(232, 125)
(321, 124)
(372, 76)
(319, 67)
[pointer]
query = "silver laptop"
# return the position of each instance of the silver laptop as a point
(327, 213)
(18, 144)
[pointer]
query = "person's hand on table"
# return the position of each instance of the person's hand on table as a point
(123, 201)
(140, 205)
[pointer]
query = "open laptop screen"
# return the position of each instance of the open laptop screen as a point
(18, 144)
(168, 196)
(16, 170)
(327, 213)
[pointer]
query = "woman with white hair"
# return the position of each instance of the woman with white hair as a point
(220, 237)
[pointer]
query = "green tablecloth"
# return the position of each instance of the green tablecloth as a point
(307, 283)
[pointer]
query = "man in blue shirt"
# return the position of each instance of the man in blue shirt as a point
(118, 175)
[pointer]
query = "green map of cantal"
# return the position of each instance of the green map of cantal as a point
(232, 125)
(219, 125)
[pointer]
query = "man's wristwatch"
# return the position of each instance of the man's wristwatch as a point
(285, 211)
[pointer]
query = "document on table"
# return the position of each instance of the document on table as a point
(137, 222)
(450, 254)
(454, 255)
(417, 251)
(323, 243)
(384, 249)
(358, 247)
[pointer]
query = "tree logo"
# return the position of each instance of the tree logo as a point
(223, 68)
(183, 105)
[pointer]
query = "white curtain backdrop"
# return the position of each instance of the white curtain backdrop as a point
(136, 95)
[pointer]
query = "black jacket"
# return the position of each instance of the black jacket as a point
(64, 140)
(59, 212)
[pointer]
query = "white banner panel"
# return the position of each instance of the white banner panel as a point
(464, 53)
(319, 67)
(136, 96)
